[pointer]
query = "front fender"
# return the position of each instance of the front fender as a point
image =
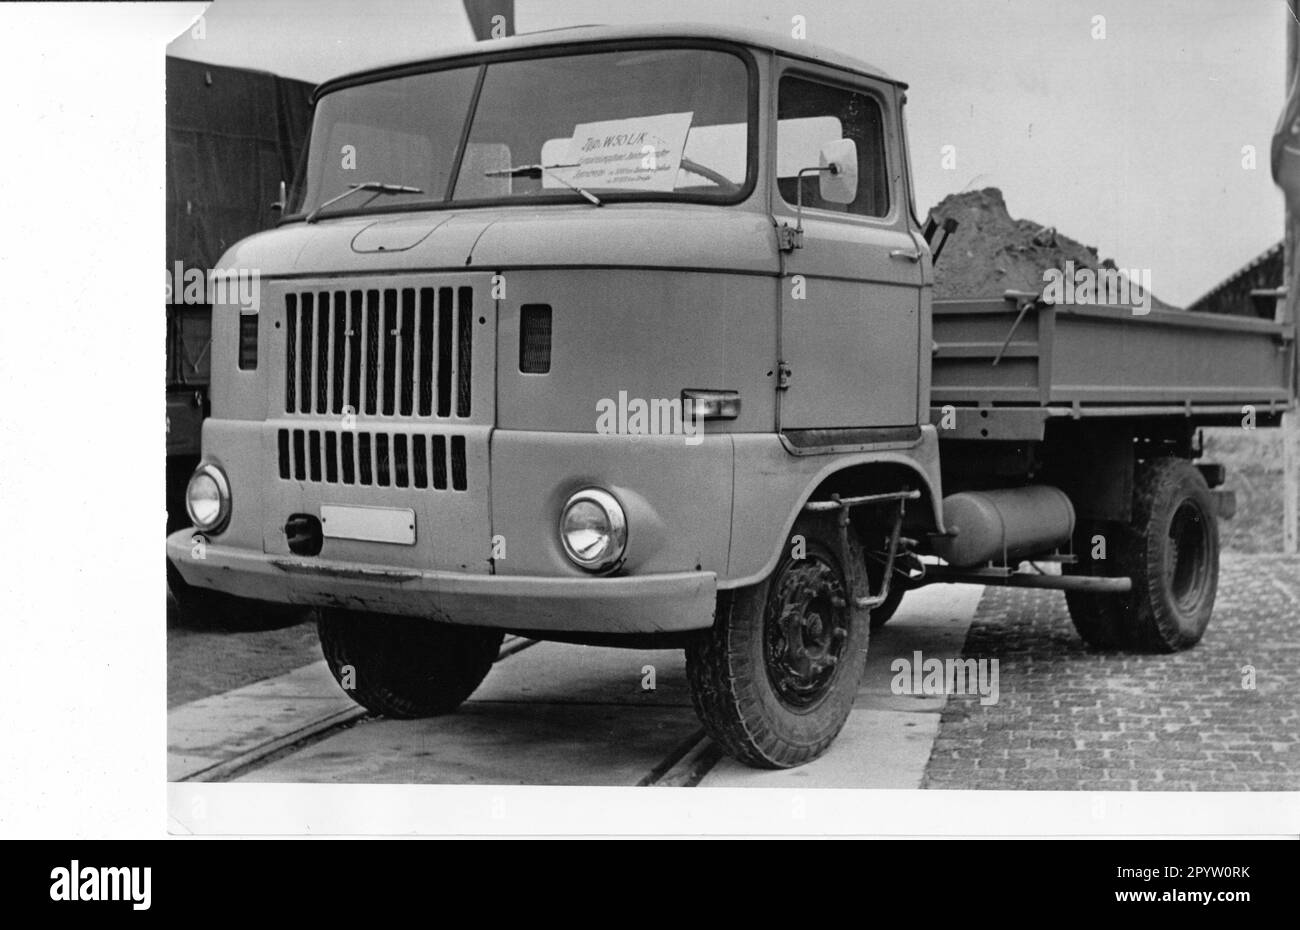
(772, 485)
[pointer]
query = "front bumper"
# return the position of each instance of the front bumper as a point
(656, 603)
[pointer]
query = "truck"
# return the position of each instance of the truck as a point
(626, 336)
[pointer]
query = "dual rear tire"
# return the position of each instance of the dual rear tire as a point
(1171, 551)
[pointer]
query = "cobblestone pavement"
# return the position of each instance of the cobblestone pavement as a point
(1070, 718)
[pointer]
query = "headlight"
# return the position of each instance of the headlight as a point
(593, 529)
(207, 498)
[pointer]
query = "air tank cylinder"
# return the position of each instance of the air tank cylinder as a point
(1004, 526)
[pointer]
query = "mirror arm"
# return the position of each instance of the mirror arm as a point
(798, 209)
(283, 203)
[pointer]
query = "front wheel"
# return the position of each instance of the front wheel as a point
(774, 679)
(405, 667)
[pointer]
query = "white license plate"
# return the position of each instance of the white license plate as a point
(371, 524)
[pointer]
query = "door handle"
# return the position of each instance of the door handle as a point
(911, 255)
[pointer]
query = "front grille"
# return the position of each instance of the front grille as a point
(359, 457)
(403, 352)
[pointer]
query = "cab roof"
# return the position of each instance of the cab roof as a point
(596, 35)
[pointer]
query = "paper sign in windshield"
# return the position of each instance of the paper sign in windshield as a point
(640, 154)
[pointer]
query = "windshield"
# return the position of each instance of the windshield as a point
(636, 124)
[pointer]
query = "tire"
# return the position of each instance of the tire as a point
(405, 667)
(1170, 550)
(885, 612)
(882, 614)
(876, 551)
(1099, 619)
(767, 704)
(204, 609)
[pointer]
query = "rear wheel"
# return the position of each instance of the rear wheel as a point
(774, 679)
(1170, 550)
(405, 667)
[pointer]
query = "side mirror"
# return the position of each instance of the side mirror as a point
(838, 183)
(839, 177)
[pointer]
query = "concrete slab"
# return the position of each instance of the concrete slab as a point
(495, 743)
(556, 714)
(214, 730)
(933, 621)
(208, 736)
(553, 714)
(876, 749)
(567, 674)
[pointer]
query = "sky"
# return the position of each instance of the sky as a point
(1129, 134)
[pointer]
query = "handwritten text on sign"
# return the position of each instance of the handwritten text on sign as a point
(630, 154)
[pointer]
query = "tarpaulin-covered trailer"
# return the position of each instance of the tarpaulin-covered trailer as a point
(232, 136)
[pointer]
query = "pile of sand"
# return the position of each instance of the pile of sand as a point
(991, 253)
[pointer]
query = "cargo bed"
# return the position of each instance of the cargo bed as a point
(1021, 362)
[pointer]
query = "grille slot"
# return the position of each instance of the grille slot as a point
(348, 452)
(458, 463)
(440, 463)
(291, 352)
(331, 459)
(425, 356)
(306, 340)
(338, 351)
(401, 468)
(324, 346)
(395, 352)
(284, 454)
(407, 322)
(464, 336)
(373, 459)
(444, 352)
(381, 457)
(365, 469)
(314, 445)
(370, 357)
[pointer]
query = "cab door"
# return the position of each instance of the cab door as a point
(850, 296)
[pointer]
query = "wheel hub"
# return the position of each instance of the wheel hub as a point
(805, 632)
(1186, 555)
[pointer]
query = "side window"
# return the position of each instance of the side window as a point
(810, 114)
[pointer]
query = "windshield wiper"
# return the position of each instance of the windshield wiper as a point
(535, 173)
(376, 187)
